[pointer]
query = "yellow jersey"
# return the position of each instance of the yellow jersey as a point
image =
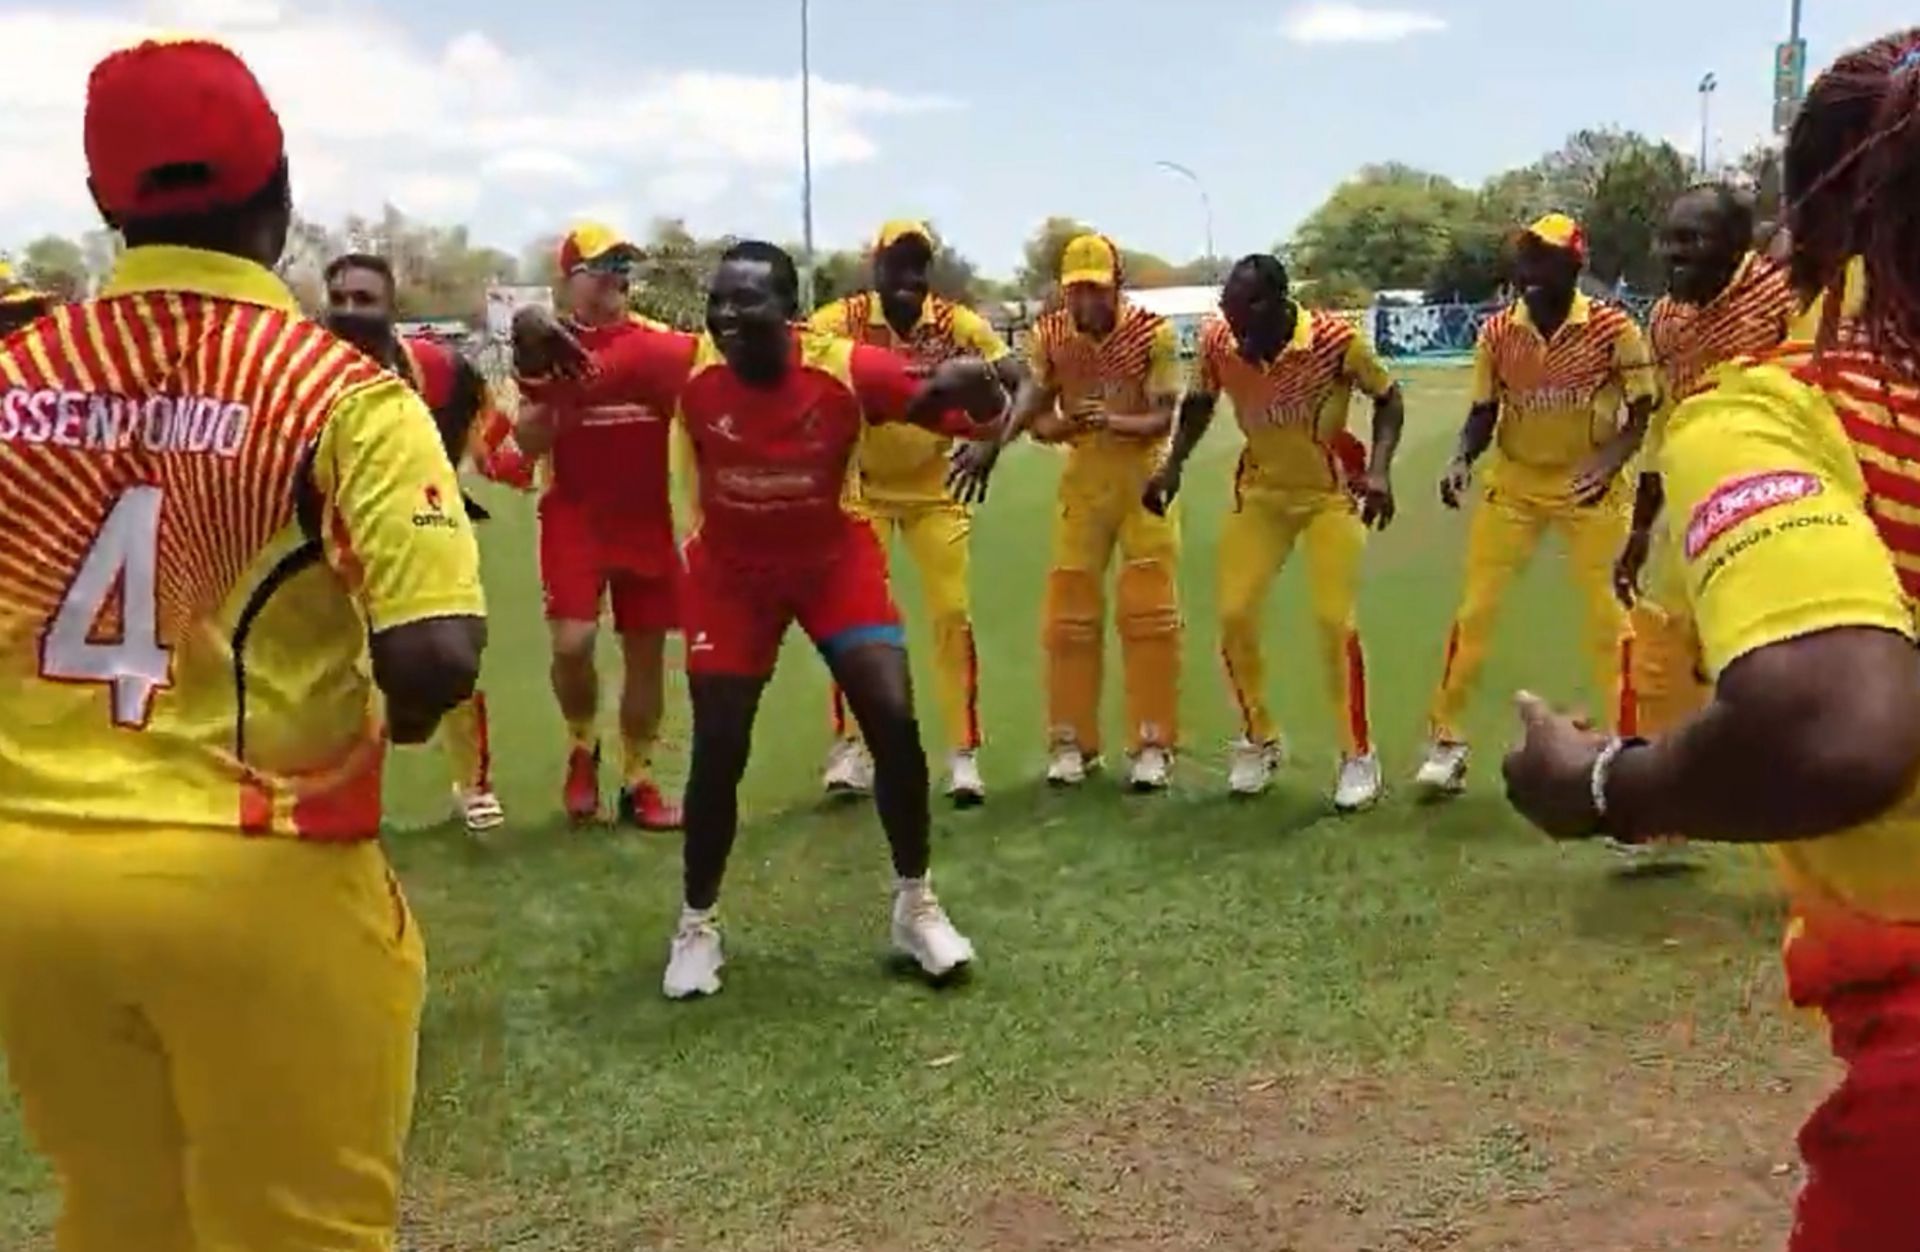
(209, 502)
(899, 464)
(1293, 409)
(1559, 399)
(1794, 503)
(1124, 371)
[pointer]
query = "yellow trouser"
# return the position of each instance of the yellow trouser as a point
(468, 740)
(937, 537)
(1501, 539)
(1255, 542)
(1090, 521)
(213, 1037)
(1666, 677)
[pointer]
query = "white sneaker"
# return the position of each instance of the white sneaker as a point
(693, 964)
(1152, 769)
(479, 809)
(849, 769)
(1358, 783)
(922, 930)
(1655, 854)
(965, 787)
(1445, 769)
(1068, 768)
(1250, 765)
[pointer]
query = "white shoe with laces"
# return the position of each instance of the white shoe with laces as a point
(923, 931)
(479, 809)
(1152, 769)
(1068, 765)
(694, 962)
(965, 787)
(849, 769)
(1358, 783)
(1445, 769)
(1251, 765)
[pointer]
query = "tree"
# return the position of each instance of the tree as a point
(56, 265)
(1759, 171)
(670, 282)
(1040, 264)
(1636, 186)
(540, 263)
(1334, 291)
(1389, 227)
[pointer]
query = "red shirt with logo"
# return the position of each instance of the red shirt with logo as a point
(772, 462)
(610, 459)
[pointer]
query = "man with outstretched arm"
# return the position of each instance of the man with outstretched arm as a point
(773, 415)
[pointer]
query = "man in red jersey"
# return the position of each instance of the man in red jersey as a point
(361, 309)
(606, 532)
(773, 415)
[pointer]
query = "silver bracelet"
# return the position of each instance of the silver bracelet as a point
(1603, 770)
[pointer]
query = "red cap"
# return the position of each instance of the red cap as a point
(178, 103)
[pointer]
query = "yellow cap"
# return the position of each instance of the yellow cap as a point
(590, 242)
(904, 228)
(1557, 230)
(1090, 259)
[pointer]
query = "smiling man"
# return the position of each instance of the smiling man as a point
(1563, 391)
(773, 415)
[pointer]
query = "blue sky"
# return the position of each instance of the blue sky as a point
(985, 116)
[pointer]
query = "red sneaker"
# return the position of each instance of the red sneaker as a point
(582, 795)
(643, 806)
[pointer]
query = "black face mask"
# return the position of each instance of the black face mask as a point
(372, 333)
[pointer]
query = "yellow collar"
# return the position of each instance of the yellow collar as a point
(1578, 313)
(160, 267)
(877, 314)
(1302, 330)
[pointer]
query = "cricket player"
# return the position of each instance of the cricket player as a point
(221, 529)
(1104, 379)
(361, 309)
(1725, 301)
(1794, 501)
(1302, 478)
(1563, 391)
(606, 536)
(901, 480)
(774, 415)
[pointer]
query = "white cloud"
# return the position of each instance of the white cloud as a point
(373, 116)
(1334, 22)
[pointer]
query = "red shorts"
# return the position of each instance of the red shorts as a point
(581, 564)
(1862, 1146)
(735, 617)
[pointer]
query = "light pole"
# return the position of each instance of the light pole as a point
(806, 165)
(1206, 207)
(1708, 86)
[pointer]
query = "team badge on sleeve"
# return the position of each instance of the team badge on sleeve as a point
(1738, 499)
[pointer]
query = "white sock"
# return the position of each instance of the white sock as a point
(690, 916)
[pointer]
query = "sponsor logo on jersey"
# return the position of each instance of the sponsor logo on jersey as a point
(434, 515)
(1740, 499)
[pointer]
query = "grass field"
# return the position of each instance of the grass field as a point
(1195, 1024)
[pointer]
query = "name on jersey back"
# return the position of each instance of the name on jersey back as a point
(102, 422)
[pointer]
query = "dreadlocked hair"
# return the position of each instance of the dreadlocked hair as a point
(1852, 172)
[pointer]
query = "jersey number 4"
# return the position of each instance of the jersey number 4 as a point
(122, 563)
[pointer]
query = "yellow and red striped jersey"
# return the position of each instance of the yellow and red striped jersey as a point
(1689, 341)
(1124, 371)
(1560, 399)
(1793, 489)
(208, 501)
(1292, 409)
(898, 463)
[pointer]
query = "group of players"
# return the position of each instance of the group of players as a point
(237, 566)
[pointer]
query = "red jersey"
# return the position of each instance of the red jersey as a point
(611, 457)
(771, 462)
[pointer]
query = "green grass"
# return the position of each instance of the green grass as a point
(1131, 948)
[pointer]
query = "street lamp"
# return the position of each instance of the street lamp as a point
(1708, 86)
(1206, 206)
(806, 166)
